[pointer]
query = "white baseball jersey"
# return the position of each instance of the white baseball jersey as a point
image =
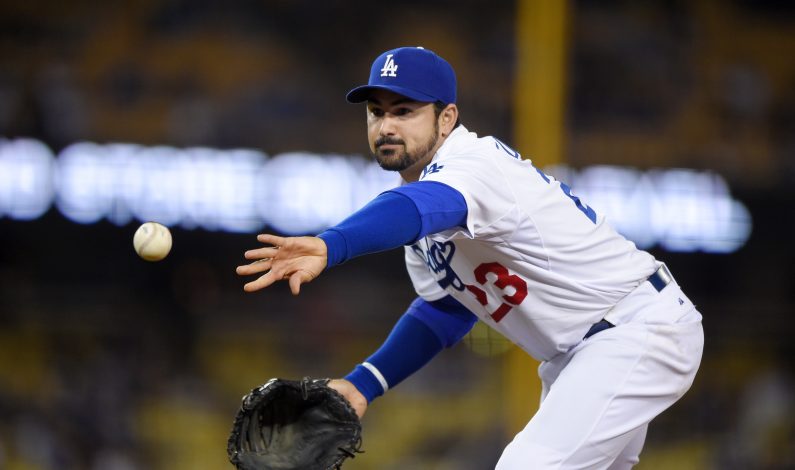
(534, 262)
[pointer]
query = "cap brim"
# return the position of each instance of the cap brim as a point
(362, 93)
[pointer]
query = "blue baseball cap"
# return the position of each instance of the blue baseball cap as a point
(414, 72)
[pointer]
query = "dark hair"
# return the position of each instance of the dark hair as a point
(438, 107)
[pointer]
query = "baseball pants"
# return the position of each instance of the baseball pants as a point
(599, 397)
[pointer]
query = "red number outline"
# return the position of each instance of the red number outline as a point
(504, 280)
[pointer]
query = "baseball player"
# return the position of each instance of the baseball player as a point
(488, 236)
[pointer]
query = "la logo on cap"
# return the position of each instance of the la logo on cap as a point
(390, 67)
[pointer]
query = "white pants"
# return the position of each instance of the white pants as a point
(598, 398)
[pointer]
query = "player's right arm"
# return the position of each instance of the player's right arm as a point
(352, 394)
(421, 333)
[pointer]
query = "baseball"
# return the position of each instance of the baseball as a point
(152, 241)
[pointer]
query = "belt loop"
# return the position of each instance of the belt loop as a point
(661, 278)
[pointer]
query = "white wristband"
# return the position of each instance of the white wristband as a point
(377, 373)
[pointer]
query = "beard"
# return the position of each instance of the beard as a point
(401, 159)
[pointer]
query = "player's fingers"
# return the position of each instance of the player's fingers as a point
(261, 282)
(295, 283)
(297, 278)
(271, 239)
(261, 253)
(258, 266)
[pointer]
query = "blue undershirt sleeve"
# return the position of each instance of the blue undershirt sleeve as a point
(447, 317)
(395, 218)
(421, 333)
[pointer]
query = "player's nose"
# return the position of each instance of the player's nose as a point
(388, 126)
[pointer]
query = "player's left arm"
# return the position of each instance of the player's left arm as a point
(297, 260)
(395, 218)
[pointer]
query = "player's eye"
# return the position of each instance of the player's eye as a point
(402, 111)
(377, 112)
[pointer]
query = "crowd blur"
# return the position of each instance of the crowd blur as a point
(111, 363)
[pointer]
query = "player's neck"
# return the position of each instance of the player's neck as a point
(413, 173)
(410, 175)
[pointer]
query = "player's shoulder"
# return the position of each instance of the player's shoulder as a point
(465, 144)
(465, 156)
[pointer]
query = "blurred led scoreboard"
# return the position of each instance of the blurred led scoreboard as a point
(246, 190)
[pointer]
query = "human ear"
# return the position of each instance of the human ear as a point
(447, 119)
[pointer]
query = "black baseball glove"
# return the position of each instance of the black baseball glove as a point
(295, 425)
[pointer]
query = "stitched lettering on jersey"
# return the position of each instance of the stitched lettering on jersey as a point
(501, 145)
(438, 257)
(511, 290)
(432, 168)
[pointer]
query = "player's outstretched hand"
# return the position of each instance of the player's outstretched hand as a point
(297, 260)
(351, 393)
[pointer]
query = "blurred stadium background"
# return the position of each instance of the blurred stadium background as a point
(676, 117)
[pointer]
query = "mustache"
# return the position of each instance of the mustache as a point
(388, 141)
